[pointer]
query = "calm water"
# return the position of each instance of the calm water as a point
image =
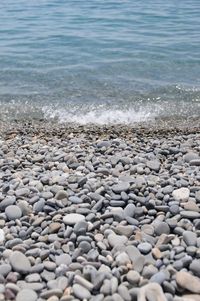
(99, 60)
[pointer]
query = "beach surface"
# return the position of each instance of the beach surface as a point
(100, 212)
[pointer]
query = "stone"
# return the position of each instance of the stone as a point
(188, 282)
(190, 238)
(63, 259)
(52, 292)
(120, 187)
(27, 294)
(73, 218)
(22, 192)
(161, 228)
(116, 240)
(189, 214)
(133, 277)
(2, 236)
(159, 277)
(190, 156)
(20, 262)
(145, 247)
(61, 194)
(195, 267)
(124, 230)
(13, 212)
(181, 194)
(153, 165)
(5, 269)
(122, 259)
(81, 292)
(151, 291)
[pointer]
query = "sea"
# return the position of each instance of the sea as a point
(99, 61)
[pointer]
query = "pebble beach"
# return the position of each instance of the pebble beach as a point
(99, 213)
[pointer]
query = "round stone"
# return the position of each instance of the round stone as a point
(20, 262)
(73, 218)
(144, 247)
(26, 294)
(133, 277)
(13, 212)
(161, 228)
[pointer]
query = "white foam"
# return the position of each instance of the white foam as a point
(99, 116)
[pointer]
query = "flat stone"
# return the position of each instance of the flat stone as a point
(190, 156)
(190, 238)
(63, 259)
(52, 292)
(22, 192)
(159, 277)
(73, 218)
(151, 291)
(20, 262)
(27, 294)
(124, 230)
(191, 206)
(181, 194)
(188, 282)
(116, 240)
(153, 165)
(120, 187)
(81, 292)
(189, 214)
(13, 212)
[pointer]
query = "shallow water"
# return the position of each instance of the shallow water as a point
(99, 61)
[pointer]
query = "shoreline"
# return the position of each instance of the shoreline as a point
(99, 212)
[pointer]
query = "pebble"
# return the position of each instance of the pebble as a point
(13, 212)
(188, 282)
(133, 277)
(116, 240)
(190, 214)
(73, 218)
(27, 294)
(145, 247)
(181, 194)
(20, 262)
(161, 228)
(121, 187)
(190, 238)
(81, 292)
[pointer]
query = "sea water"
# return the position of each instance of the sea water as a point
(100, 61)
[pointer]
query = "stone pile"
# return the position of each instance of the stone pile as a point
(99, 214)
